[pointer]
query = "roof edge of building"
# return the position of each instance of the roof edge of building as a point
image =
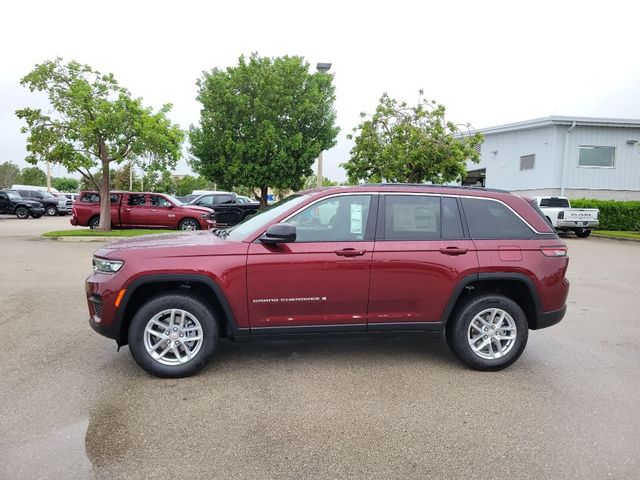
(560, 120)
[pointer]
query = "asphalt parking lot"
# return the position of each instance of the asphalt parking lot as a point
(403, 407)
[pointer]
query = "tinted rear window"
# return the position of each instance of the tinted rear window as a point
(554, 202)
(489, 219)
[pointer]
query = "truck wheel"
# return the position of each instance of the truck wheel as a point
(36, 215)
(52, 211)
(22, 213)
(173, 335)
(582, 232)
(189, 224)
(94, 223)
(488, 332)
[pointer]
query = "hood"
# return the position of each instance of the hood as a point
(202, 238)
(195, 208)
(33, 203)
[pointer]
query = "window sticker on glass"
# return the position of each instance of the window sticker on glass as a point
(356, 218)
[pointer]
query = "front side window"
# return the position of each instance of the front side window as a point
(412, 217)
(158, 201)
(136, 200)
(336, 219)
(596, 156)
(489, 219)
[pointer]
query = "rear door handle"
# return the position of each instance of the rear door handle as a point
(350, 252)
(453, 251)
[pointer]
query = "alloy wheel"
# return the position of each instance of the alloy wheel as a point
(492, 333)
(173, 337)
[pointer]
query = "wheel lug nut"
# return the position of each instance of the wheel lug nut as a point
(181, 335)
(485, 329)
(485, 336)
(175, 329)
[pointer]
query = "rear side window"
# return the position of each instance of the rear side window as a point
(488, 219)
(412, 217)
(90, 198)
(137, 200)
(223, 199)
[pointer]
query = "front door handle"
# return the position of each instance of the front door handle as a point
(453, 251)
(350, 252)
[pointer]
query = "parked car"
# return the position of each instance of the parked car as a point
(71, 196)
(53, 205)
(229, 210)
(564, 218)
(145, 210)
(186, 198)
(13, 203)
(243, 199)
(482, 266)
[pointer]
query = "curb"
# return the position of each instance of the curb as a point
(622, 239)
(81, 239)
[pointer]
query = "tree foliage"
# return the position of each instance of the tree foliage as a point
(94, 122)
(414, 144)
(33, 176)
(263, 123)
(65, 184)
(9, 174)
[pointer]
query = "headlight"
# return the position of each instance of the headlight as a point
(106, 266)
(204, 216)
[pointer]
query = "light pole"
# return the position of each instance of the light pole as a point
(322, 68)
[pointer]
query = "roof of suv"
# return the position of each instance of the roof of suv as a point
(410, 187)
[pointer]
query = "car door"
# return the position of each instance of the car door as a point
(321, 281)
(161, 213)
(422, 252)
(134, 211)
(226, 209)
(5, 204)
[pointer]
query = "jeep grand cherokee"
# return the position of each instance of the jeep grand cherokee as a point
(482, 266)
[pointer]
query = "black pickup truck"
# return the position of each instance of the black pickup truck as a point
(13, 203)
(229, 210)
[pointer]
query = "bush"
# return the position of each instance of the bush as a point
(614, 215)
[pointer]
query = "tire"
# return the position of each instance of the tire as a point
(52, 210)
(22, 213)
(94, 222)
(189, 224)
(36, 215)
(460, 333)
(582, 232)
(158, 309)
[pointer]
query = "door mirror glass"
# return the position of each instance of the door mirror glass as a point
(279, 233)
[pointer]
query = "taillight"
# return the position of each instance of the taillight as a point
(554, 251)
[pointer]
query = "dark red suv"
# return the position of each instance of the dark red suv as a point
(482, 266)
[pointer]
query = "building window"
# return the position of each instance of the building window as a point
(527, 162)
(591, 156)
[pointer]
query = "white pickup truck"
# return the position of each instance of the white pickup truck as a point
(564, 218)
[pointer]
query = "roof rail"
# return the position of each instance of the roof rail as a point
(426, 185)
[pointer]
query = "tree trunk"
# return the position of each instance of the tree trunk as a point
(264, 192)
(105, 199)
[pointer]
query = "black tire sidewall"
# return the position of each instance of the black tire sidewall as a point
(457, 331)
(583, 232)
(20, 210)
(94, 223)
(163, 302)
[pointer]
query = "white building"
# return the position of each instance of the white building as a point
(574, 156)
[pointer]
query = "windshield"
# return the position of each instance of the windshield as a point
(14, 195)
(47, 195)
(174, 200)
(257, 222)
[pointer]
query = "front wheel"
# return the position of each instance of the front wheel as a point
(488, 332)
(582, 232)
(52, 211)
(36, 215)
(22, 213)
(173, 335)
(189, 224)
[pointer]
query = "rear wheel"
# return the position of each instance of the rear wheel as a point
(488, 332)
(94, 223)
(22, 213)
(173, 335)
(189, 224)
(582, 232)
(52, 210)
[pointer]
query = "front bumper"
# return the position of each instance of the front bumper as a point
(37, 210)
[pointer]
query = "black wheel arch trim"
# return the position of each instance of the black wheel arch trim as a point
(538, 322)
(232, 326)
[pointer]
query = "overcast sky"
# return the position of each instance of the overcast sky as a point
(488, 62)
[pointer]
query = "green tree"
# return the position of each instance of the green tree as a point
(188, 183)
(122, 176)
(263, 123)
(312, 182)
(9, 174)
(94, 122)
(65, 184)
(400, 143)
(33, 176)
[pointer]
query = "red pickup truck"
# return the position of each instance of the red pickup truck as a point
(146, 210)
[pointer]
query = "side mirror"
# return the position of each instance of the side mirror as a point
(279, 233)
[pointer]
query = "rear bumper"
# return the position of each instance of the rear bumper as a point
(568, 224)
(547, 319)
(73, 221)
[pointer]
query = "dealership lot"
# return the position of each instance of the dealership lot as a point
(400, 407)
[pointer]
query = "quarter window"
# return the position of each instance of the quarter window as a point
(488, 219)
(336, 219)
(596, 156)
